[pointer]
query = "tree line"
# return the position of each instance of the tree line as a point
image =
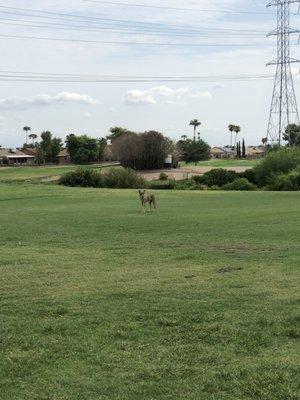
(139, 150)
(145, 150)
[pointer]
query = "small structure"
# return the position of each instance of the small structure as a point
(255, 152)
(223, 152)
(15, 157)
(168, 161)
(63, 157)
(30, 151)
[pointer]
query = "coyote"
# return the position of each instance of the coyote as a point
(150, 199)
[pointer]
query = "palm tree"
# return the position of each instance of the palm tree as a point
(184, 137)
(237, 130)
(234, 128)
(264, 141)
(231, 129)
(26, 129)
(32, 136)
(195, 123)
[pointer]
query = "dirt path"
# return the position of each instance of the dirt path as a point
(184, 173)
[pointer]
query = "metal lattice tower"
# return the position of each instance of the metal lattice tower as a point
(284, 110)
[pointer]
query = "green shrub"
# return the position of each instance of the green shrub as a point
(276, 163)
(163, 176)
(82, 178)
(121, 178)
(162, 185)
(286, 182)
(189, 184)
(197, 178)
(217, 177)
(250, 175)
(239, 184)
(214, 187)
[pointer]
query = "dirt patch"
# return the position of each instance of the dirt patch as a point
(184, 173)
(53, 178)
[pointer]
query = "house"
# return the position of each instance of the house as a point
(63, 157)
(253, 152)
(15, 157)
(30, 151)
(223, 152)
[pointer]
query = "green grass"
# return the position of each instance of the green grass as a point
(218, 163)
(196, 302)
(35, 173)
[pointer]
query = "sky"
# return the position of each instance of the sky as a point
(159, 42)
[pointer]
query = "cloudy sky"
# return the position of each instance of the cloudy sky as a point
(174, 38)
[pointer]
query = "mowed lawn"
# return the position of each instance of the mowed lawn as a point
(36, 172)
(222, 163)
(196, 302)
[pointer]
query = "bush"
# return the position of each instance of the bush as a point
(197, 178)
(162, 185)
(194, 150)
(143, 151)
(216, 177)
(239, 184)
(163, 176)
(120, 178)
(214, 187)
(250, 175)
(286, 182)
(276, 163)
(189, 184)
(82, 178)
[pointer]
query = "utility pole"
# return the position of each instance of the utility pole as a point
(284, 110)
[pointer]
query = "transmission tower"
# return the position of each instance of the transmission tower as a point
(284, 110)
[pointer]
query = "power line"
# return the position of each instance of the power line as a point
(50, 15)
(21, 76)
(84, 28)
(127, 43)
(175, 8)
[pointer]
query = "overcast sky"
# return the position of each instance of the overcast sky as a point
(92, 108)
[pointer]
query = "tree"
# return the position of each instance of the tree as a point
(56, 147)
(194, 150)
(142, 151)
(128, 150)
(237, 130)
(231, 128)
(244, 149)
(40, 155)
(156, 148)
(51, 146)
(117, 132)
(33, 136)
(234, 128)
(238, 150)
(82, 149)
(26, 129)
(292, 135)
(195, 123)
(264, 141)
(102, 144)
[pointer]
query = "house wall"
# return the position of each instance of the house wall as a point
(21, 161)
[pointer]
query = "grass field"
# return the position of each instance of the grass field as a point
(37, 172)
(218, 163)
(197, 302)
